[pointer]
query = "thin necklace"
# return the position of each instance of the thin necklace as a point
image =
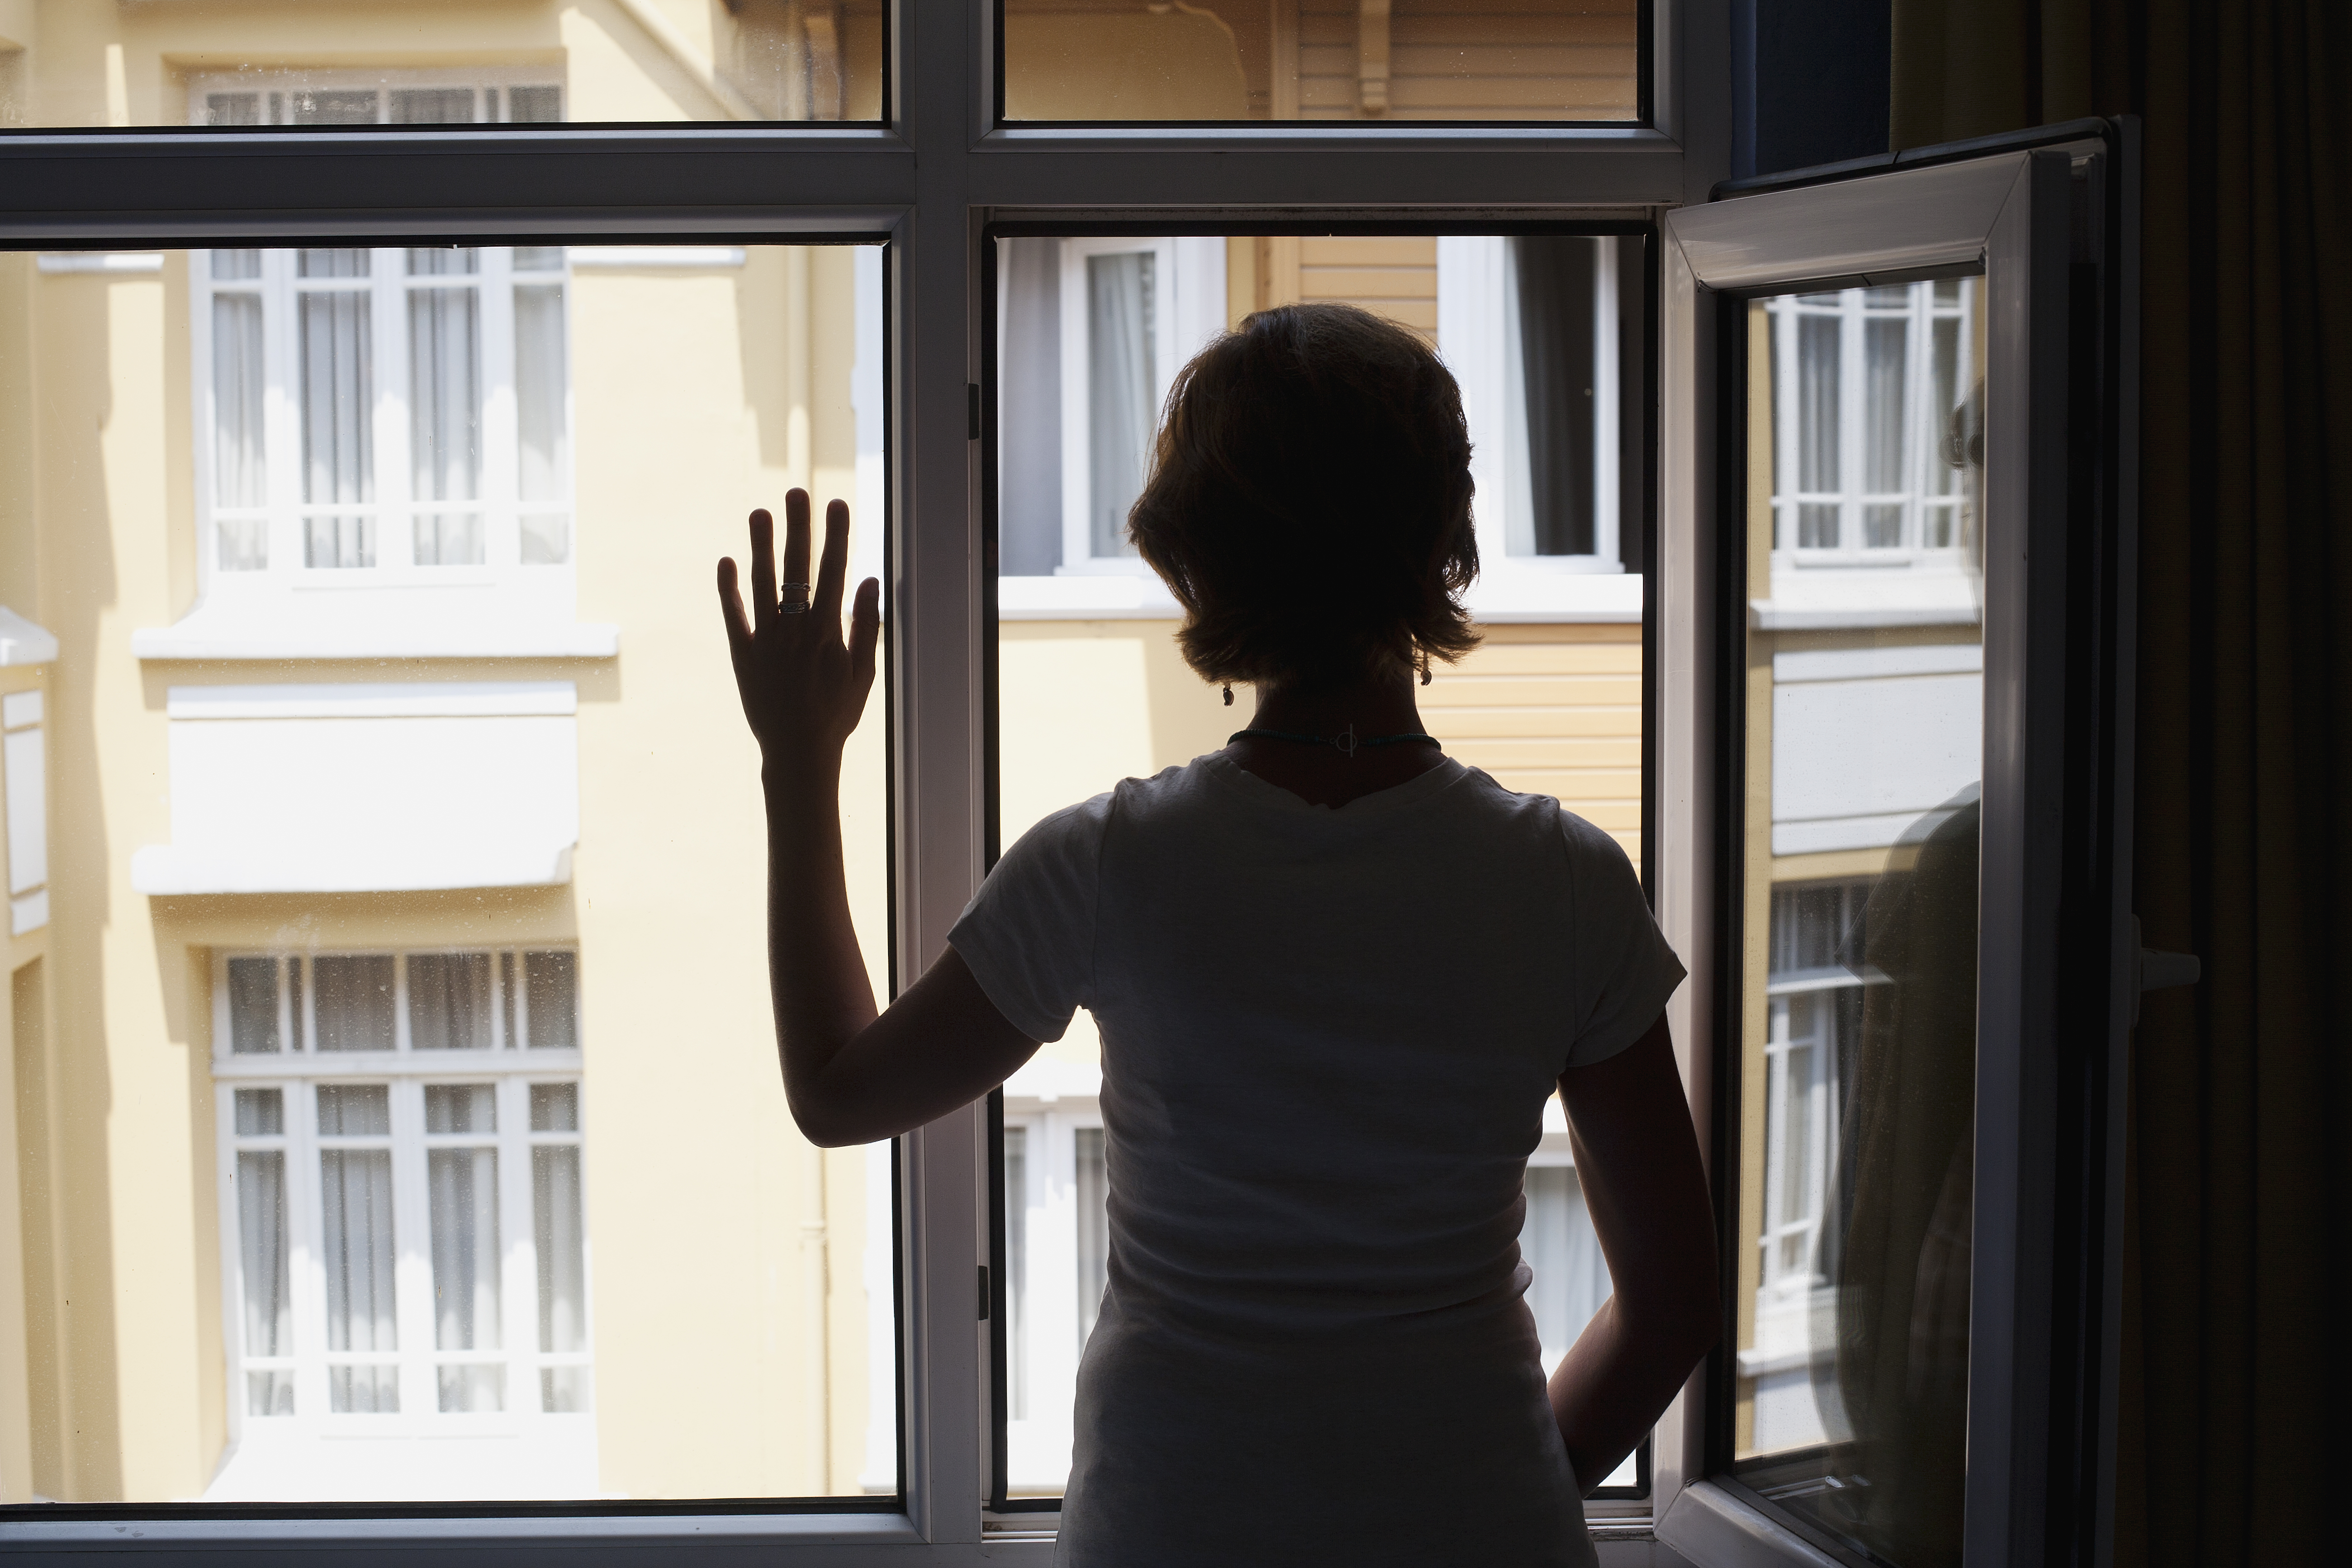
(1344, 742)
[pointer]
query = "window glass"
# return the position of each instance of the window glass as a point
(1091, 689)
(375, 63)
(1865, 723)
(1440, 60)
(482, 1185)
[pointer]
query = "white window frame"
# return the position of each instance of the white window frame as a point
(1189, 278)
(296, 1072)
(538, 589)
(1922, 437)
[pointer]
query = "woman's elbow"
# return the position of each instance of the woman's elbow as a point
(827, 1123)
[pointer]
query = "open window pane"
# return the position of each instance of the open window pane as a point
(380, 63)
(1424, 60)
(435, 861)
(1865, 723)
(1543, 332)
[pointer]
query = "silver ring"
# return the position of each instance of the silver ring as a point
(787, 606)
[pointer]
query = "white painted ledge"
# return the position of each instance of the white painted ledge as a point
(119, 262)
(1712, 1528)
(204, 638)
(163, 870)
(21, 642)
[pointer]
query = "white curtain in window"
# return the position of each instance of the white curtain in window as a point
(338, 396)
(1016, 1270)
(1817, 350)
(561, 1238)
(1562, 1249)
(356, 1238)
(239, 478)
(261, 1245)
(543, 432)
(463, 1185)
(450, 1001)
(1120, 333)
(354, 1002)
(444, 406)
(1093, 1197)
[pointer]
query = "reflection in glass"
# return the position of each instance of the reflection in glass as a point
(1321, 59)
(1859, 1014)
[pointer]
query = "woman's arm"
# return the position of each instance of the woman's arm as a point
(850, 1076)
(1637, 1161)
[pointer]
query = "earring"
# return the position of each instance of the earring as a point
(1425, 670)
(1229, 694)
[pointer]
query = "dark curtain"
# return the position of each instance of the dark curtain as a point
(2237, 1378)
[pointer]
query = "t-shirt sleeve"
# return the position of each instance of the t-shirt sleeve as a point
(1625, 971)
(1028, 935)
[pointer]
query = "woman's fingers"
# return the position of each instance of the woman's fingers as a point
(865, 626)
(796, 538)
(764, 570)
(730, 607)
(824, 602)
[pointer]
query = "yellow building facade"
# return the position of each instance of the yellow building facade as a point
(394, 1105)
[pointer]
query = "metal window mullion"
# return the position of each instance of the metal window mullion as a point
(932, 314)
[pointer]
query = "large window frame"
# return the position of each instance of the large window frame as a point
(932, 181)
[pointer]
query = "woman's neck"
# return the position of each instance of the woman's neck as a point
(1326, 774)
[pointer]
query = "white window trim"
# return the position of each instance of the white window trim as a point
(296, 1073)
(1188, 280)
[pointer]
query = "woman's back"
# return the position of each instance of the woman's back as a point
(1328, 1039)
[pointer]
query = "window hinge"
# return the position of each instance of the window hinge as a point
(971, 410)
(983, 1292)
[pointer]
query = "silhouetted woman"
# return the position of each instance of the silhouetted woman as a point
(1336, 975)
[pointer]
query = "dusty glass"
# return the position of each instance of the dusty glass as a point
(1544, 334)
(1864, 721)
(70, 63)
(1424, 60)
(360, 600)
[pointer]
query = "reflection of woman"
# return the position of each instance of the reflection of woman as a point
(1907, 1172)
(1337, 976)
(1902, 1346)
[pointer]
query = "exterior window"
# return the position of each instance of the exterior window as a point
(25, 778)
(1864, 461)
(388, 414)
(329, 98)
(402, 1204)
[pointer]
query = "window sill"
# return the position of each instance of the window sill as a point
(213, 635)
(1713, 1529)
(24, 1529)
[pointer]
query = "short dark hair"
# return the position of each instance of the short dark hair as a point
(1310, 500)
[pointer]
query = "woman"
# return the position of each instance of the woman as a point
(1336, 975)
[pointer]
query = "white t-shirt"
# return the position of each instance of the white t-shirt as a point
(1327, 1038)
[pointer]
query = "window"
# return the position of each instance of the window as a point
(403, 1206)
(1865, 454)
(395, 414)
(300, 96)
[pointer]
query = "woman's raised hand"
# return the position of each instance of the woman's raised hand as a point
(804, 686)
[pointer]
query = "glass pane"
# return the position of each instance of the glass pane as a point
(253, 1005)
(461, 904)
(355, 1004)
(1322, 60)
(379, 62)
(552, 993)
(1857, 1069)
(1544, 335)
(449, 1001)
